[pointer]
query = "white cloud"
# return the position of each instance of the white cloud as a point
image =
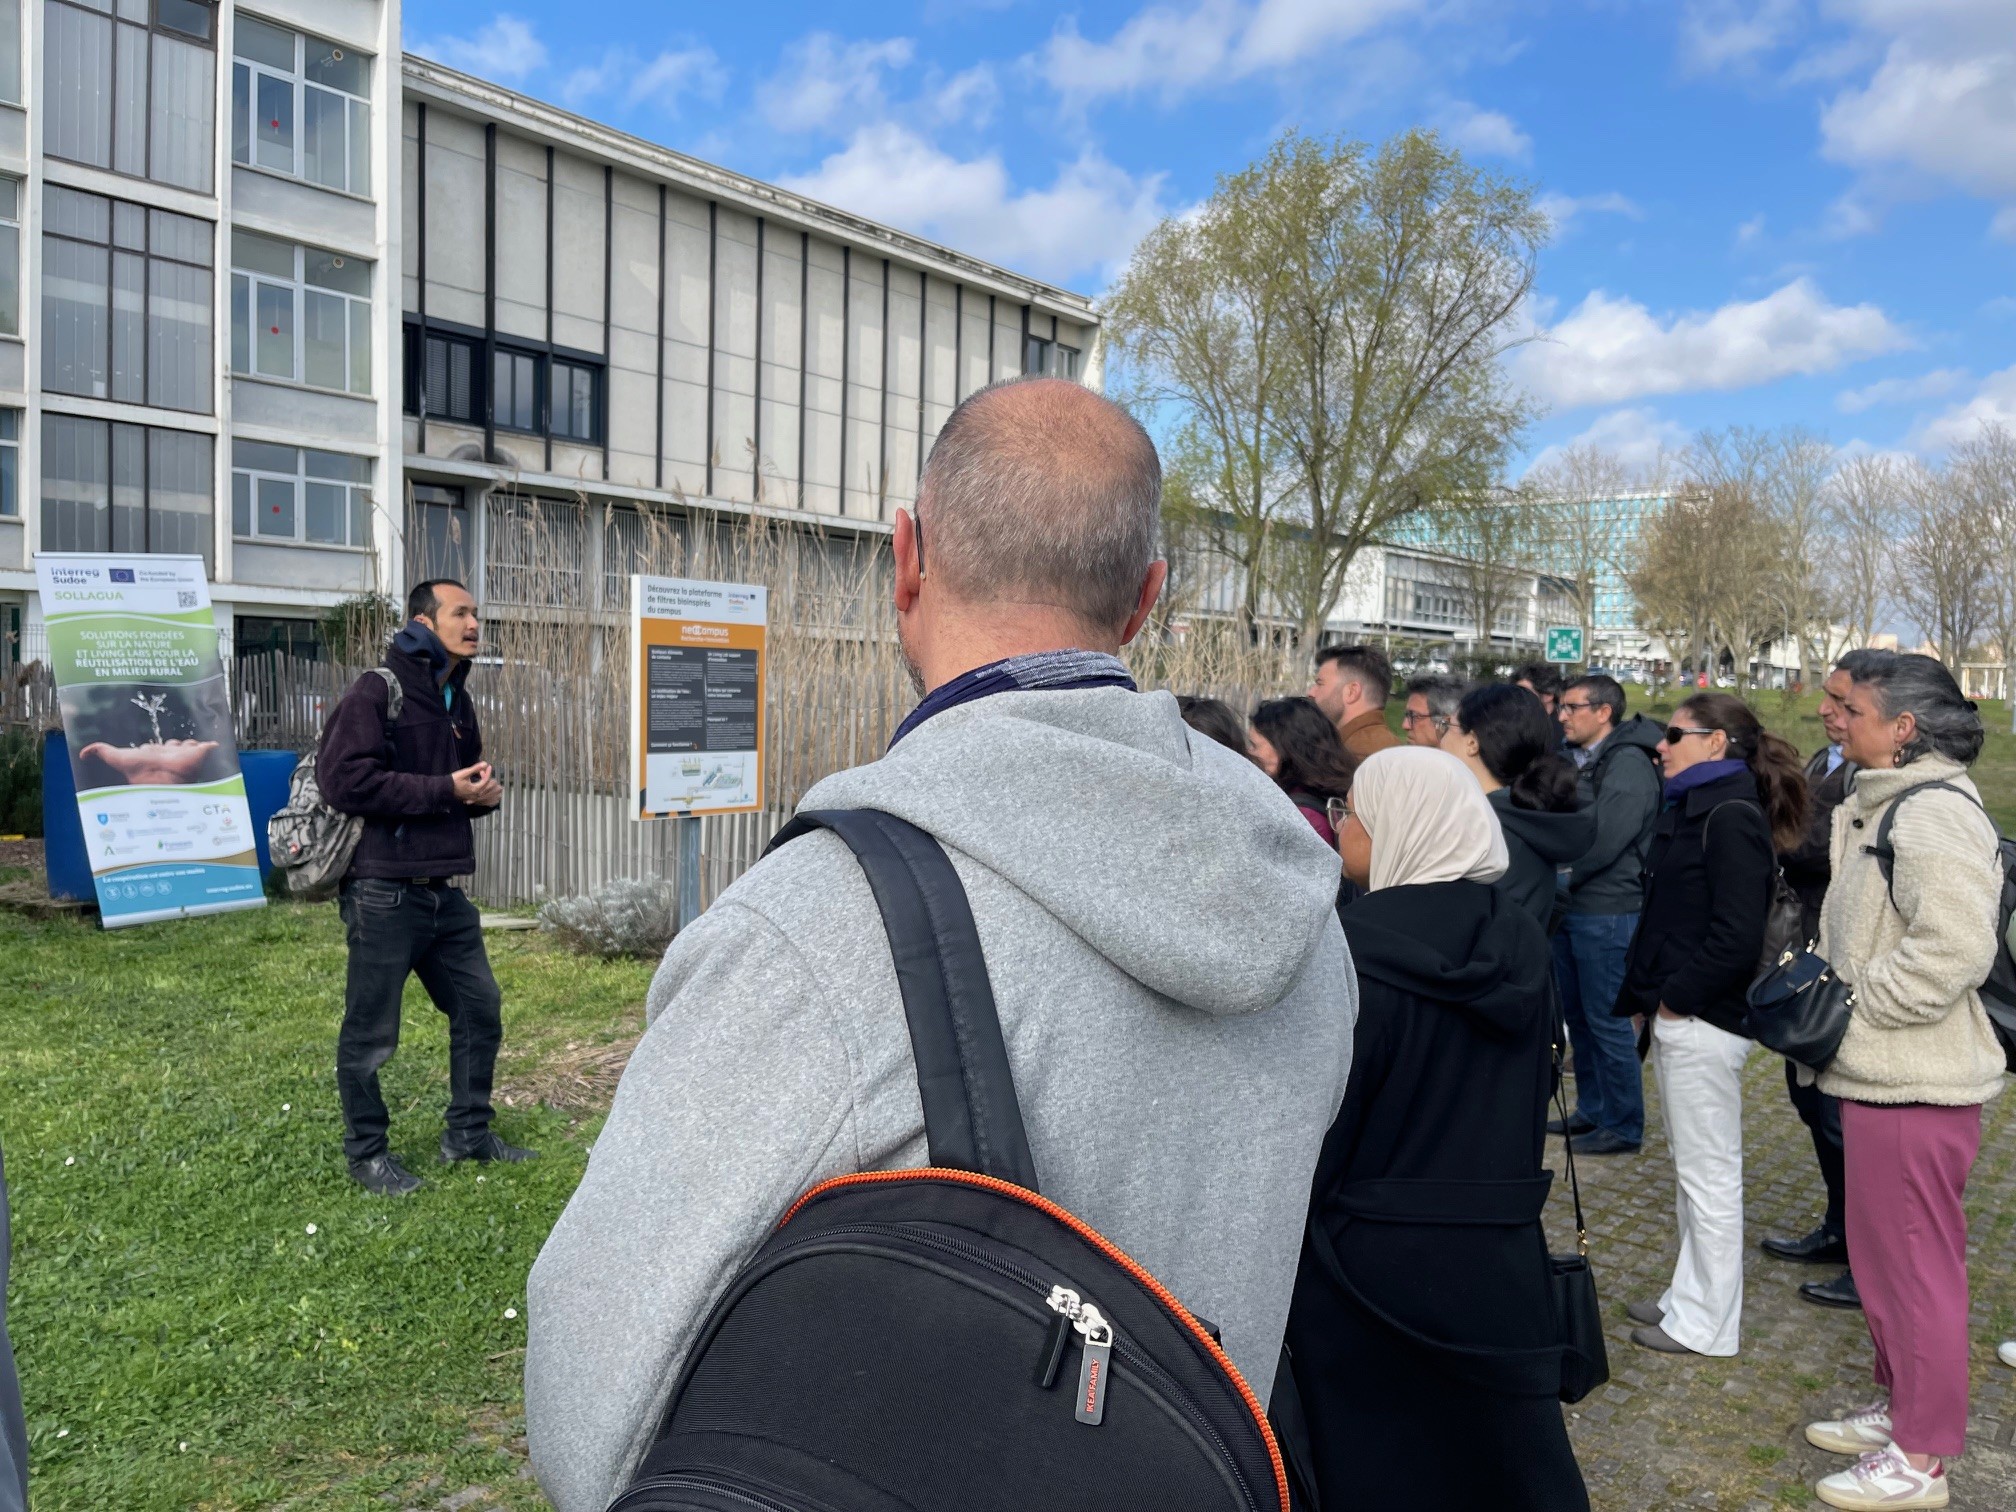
(507, 50)
(1940, 106)
(1636, 437)
(1719, 34)
(1170, 50)
(663, 81)
(1563, 209)
(1609, 350)
(1933, 385)
(1750, 230)
(1087, 220)
(968, 96)
(2001, 307)
(828, 84)
(1487, 133)
(1994, 402)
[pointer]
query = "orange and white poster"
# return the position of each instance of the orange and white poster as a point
(696, 724)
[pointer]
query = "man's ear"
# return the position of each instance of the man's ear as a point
(1144, 602)
(909, 575)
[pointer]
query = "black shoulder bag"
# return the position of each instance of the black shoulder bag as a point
(1578, 1314)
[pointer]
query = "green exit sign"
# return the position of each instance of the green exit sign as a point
(1564, 643)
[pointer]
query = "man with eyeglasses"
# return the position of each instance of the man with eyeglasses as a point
(1431, 707)
(1620, 781)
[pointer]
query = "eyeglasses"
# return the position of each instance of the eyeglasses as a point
(1675, 734)
(1440, 721)
(1564, 704)
(1339, 809)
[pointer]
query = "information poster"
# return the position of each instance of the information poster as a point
(147, 718)
(696, 726)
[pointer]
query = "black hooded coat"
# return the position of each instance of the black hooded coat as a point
(1422, 1333)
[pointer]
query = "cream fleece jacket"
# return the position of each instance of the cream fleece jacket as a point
(1918, 1033)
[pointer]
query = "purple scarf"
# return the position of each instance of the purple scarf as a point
(1700, 775)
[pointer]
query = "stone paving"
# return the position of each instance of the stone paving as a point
(1671, 1432)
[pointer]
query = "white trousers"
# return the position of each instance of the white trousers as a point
(1700, 1071)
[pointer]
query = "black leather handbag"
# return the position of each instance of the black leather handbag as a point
(1578, 1313)
(1800, 1007)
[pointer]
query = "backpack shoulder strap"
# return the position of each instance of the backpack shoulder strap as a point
(972, 1119)
(395, 694)
(1886, 853)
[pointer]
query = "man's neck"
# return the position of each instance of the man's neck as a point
(1355, 712)
(956, 651)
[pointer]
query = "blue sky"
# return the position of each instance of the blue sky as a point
(1767, 211)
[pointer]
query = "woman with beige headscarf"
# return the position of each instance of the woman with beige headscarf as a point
(1423, 1323)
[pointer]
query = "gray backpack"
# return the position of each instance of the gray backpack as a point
(311, 843)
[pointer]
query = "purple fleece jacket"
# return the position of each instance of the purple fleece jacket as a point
(400, 779)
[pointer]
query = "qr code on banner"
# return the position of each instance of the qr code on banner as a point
(185, 598)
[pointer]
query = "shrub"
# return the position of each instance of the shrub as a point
(20, 782)
(624, 917)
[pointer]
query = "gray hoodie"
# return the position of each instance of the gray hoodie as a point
(1176, 995)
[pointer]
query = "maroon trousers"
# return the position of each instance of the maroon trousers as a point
(1907, 1244)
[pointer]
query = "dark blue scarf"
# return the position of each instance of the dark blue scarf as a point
(418, 641)
(1040, 669)
(1700, 775)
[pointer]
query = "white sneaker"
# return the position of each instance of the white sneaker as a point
(2006, 1353)
(1862, 1431)
(1882, 1482)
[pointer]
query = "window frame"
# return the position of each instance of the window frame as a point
(147, 433)
(301, 479)
(113, 248)
(124, 99)
(11, 225)
(298, 84)
(414, 389)
(483, 386)
(11, 421)
(298, 289)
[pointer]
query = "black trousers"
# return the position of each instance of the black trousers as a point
(395, 930)
(1822, 1116)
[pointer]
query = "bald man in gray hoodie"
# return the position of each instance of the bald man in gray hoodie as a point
(1158, 924)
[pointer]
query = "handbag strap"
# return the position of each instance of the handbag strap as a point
(972, 1119)
(1560, 1103)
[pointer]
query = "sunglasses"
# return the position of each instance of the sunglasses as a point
(1674, 734)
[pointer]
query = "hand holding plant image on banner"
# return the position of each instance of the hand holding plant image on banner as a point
(147, 719)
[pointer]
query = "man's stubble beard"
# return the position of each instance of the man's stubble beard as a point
(910, 660)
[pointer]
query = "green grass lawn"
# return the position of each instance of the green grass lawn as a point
(207, 1313)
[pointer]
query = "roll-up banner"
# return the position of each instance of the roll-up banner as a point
(696, 726)
(147, 717)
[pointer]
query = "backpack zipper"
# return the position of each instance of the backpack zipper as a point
(688, 1480)
(1090, 1402)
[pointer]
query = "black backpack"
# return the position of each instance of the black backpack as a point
(1998, 993)
(945, 1337)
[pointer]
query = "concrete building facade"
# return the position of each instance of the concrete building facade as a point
(334, 317)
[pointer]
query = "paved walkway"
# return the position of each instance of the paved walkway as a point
(1671, 1432)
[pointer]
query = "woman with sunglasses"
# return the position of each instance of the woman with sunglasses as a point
(1295, 743)
(1733, 792)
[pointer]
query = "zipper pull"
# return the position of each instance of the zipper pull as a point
(1097, 1365)
(1052, 1364)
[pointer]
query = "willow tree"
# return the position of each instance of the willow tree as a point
(1320, 343)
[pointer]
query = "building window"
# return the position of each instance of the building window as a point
(132, 91)
(448, 384)
(10, 51)
(10, 255)
(107, 486)
(10, 464)
(1050, 358)
(286, 493)
(514, 390)
(575, 411)
(125, 302)
(300, 106)
(526, 391)
(438, 540)
(300, 313)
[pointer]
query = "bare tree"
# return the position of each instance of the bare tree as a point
(1708, 580)
(1864, 504)
(1580, 530)
(1493, 544)
(1386, 283)
(1983, 472)
(1941, 567)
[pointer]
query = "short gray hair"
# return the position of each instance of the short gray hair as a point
(1038, 490)
(1907, 683)
(1442, 692)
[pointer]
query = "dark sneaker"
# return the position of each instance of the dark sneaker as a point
(1575, 1123)
(485, 1147)
(1840, 1292)
(1602, 1142)
(1821, 1247)
(383, 1176)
